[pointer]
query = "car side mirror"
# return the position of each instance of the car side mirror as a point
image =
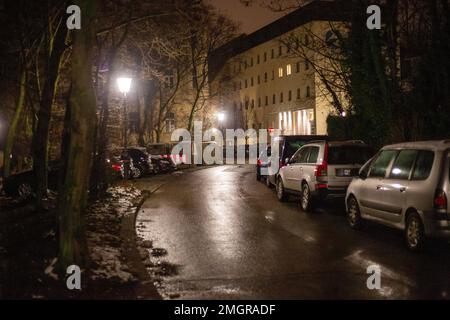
(287, 161)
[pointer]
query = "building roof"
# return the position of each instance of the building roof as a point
(317, 10)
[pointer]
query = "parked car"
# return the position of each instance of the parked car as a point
(320, 170)
(141, 161)
(22, 185)
(262, 162)
(288, 145)
(405, 186)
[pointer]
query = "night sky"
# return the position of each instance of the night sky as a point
(250, 18)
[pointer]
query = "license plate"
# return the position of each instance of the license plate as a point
(347, 172)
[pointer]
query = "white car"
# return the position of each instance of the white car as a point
(321, 169)
(405, 186)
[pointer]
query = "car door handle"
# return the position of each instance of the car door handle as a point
(379, 187)
(402, 189)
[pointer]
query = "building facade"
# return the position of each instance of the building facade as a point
(261, 82)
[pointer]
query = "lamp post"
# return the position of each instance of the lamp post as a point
(221, 119)
(124, 85)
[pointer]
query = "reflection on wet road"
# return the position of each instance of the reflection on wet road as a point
(228, 237)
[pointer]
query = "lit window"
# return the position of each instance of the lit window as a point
(288, 70)
(280, 72)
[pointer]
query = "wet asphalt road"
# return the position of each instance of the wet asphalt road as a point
(228, 237)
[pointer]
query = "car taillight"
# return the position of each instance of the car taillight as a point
(116, 167)
(322, 169)
(259, 162)
(440, 200)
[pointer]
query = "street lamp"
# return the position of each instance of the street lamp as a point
(221, 116)
(124, 85)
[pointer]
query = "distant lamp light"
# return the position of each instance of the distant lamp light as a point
(124, 85)
(343, 114)
(221, 116)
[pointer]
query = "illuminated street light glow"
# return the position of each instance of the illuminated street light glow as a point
(124, 85)
(221, 116)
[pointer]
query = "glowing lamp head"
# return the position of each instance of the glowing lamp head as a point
(221, 116)
(124, 85)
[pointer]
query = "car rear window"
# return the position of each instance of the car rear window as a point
(424, 163)
(348, 155)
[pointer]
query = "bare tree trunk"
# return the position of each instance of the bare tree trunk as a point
(20, 105)
(40, 137)
(73, 196)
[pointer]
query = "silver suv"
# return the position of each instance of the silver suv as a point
(321, 169)
(405, 186)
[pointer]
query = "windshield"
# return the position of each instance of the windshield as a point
(348, 155)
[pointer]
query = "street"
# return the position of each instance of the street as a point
(227, 237)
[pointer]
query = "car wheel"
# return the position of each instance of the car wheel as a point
(136, 172)
(305, 198)
(24, 191)
(414, 233)
(281, 194)
(354, 214)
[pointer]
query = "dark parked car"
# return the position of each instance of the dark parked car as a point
(21, 185)
(141, 161)
(288, 145)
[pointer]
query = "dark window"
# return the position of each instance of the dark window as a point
(267, 100)
(297, 67)
(280, 51)
(272, 54)
(259, 102)
(298, 94)
(257, 59)
(303, 155)
(265, 76)
(308, 92)
(403, 164)
(253, 103)
(306, 40)
(313, 155)
(273, 74)
(306, 65)
(281, 97)
(265, 56)
(423, 165)
(381, 163)
(246, 83)
(259, 79)
(274, 98)
(348, 155)
(170, 122)
(251, 81)
(251, 62)
(290, 95)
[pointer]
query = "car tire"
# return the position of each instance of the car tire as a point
(136, 173)
(306, 198)
(281, 193)
(258, 177)
(24, 191)
(354, 214)
(414, 232)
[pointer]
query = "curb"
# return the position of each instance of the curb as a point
(145, 288)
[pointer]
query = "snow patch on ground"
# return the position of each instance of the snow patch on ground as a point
(103, 234)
